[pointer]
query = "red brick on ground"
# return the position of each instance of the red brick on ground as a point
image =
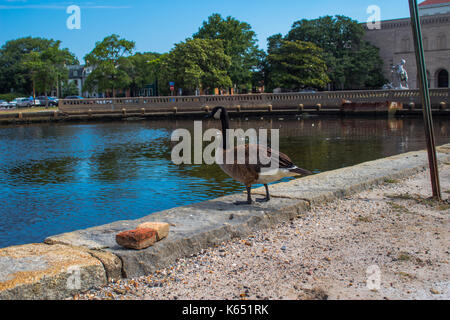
(162, 229)
(137, 239)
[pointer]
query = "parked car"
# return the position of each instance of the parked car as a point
(22, 103)
(308, 90)
(55, 99)
(47, 101)
(12, 104)
(4, 104)
(35, 102)
(74, 98)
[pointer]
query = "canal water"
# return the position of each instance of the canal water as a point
(57, 178)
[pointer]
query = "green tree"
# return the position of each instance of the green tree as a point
(240, 43)
(296, 64)
(15, 74)
(143, 70)
(109, 59)
(47, 68)
(41, 72)
(260, 71)
(58, 59)
(196, 64)
(69, 89)
(353, 62)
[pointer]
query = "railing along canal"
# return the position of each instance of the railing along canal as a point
(280, 101)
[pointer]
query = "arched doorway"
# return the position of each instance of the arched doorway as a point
(442, 79)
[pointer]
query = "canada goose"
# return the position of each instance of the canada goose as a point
(251, 174)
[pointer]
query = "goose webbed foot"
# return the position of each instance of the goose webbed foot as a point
(267, 198)
(243, 203)
(249, 198)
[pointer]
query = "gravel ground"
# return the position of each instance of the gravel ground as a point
(323, 255)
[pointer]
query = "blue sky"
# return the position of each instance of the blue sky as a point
(157, 25)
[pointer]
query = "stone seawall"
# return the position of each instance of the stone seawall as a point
(74, 262)
(130, 115)
(348, 103)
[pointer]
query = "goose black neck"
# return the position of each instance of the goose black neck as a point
(225, 126)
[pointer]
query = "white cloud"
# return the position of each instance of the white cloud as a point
(86, 5)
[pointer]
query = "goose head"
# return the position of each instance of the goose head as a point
(217, 113)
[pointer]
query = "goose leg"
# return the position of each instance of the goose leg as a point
(249, 197)
(267, 198)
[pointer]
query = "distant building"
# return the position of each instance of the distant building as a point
(395, 40)
(78, 75)
(432, 7)
(150, 90)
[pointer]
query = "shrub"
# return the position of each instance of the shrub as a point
(11, 96)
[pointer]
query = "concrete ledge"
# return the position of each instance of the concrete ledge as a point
(194, 228)
(39, 271)
(343, 182)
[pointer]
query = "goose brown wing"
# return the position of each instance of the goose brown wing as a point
(284, 162)
(244, 172)
(248, 172)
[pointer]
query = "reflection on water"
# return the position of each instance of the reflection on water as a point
(58, 178)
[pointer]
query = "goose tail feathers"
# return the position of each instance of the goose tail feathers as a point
(300, 171)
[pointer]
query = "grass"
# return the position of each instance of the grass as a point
(391, 181)
(443, 207)
(404, 196)
(25, 110)
(405, 275)
(404, 256)
(429, 202)
(364, 219)
(398, 207)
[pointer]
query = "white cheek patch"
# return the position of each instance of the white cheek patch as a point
(218, 114)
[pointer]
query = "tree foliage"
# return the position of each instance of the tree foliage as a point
(196, 64)
(353, 62)
(109, 59)
(142, 69)
(222, 54)
(239, 42)
(296, 64)
(23, 59)
(69, 89)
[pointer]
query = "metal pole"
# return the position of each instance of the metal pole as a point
(34, 91)
(426, 101)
